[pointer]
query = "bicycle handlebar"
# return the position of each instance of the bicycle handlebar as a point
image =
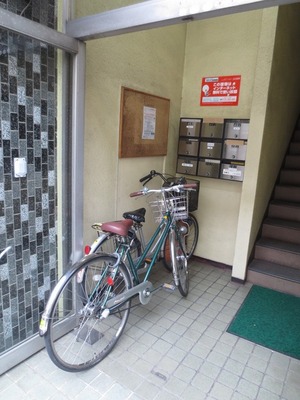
(154, 173)
(165, 177)
(149, 176)
(136, 194)
(176, 188)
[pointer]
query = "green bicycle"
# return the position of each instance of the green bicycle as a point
(88, 309)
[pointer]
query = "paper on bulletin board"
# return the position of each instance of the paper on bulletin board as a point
(220, 90)
(149, 123)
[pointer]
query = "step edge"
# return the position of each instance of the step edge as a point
(276, 245)
(288, 186)
(282, 223)
(282, 203)
(279, 270)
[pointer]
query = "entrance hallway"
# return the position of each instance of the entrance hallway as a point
(172, 348)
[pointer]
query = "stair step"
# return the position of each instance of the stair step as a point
(275, 228)
(294, 148)
(278, 251)
(281, 271)
(284, 210)
(287, 193)
(274, 276)
(292, 161)
(290, 177)
(276, 261)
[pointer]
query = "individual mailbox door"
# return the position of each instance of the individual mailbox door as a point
(190, 127)
(235, 150)
(187, 165)
(188, 146)
(236, 129)
(233, 172)
(210, 149)
(212, 130)
(209, 168)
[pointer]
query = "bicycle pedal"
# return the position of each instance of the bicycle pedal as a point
(169, 287)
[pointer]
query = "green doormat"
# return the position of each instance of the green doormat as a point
(271, 319)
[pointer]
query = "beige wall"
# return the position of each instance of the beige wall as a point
(275, 109)
(149, 61)
(171, 62)
(248, 222)
(220, 46)
(90, 7)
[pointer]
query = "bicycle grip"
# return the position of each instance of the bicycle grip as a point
(190, 185)
(135, 194)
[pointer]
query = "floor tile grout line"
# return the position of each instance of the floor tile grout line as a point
(214, 284)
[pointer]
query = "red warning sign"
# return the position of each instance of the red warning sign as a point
(220, 90)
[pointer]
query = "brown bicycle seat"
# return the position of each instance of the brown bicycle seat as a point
(117, 227)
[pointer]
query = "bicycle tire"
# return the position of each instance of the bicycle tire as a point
(182, 265)
(87, 339)
(191, 239)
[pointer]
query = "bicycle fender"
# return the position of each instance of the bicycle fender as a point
(97, 243)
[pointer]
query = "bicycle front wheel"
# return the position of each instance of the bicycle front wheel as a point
(182, 265)
(81, 332)
(190, 231)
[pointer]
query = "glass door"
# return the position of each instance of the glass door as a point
(36, 207)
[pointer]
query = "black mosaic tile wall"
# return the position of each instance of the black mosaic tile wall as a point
(27, 204)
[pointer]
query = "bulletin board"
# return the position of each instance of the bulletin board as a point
(144, 124)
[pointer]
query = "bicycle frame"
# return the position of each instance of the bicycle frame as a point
(152, 248)
(88, 309)
(144, 288)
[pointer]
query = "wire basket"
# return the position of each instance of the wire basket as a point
(175, 202)
(192, 194)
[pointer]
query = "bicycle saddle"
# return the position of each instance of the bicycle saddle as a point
(136, 215)
(117, 227)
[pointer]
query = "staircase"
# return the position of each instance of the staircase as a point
(276, 262)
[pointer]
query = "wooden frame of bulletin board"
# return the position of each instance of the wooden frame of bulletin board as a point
(144, 124)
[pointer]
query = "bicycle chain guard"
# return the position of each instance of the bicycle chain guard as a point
(144, 290)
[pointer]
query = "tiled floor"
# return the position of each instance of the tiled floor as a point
(173, 348)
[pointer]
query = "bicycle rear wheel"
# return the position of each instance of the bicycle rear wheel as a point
(79, 333)
(190, 229)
